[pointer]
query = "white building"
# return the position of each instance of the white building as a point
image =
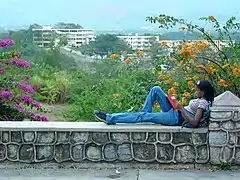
(138, 42)
(175, 43)
(44, 36)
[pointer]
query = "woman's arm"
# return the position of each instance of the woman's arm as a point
(193, 121)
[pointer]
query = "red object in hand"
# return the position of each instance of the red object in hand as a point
(173, 101)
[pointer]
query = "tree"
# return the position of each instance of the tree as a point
(62, 25)
(105, 44)
(35, 26)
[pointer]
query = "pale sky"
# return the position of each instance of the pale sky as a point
(110, 14)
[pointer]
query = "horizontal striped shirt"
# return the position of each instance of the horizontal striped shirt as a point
(194, 104)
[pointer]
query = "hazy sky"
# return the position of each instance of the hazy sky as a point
(109, 14)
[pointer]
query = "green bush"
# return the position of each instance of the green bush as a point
(115, 87)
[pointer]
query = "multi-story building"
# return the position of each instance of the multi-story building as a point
(139, 42)
(45, 36)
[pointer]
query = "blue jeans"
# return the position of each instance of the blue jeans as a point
(168, 116)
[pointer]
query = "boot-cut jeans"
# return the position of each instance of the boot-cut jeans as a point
(168, 116)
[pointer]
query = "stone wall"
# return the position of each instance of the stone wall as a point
(224, 137)
(224, 130)
(33, 142)
(157, 144)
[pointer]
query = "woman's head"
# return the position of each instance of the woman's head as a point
(205, 90)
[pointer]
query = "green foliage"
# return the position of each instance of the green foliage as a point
(105, 44)
(224, 167)
(62, 25)
(220, 66)
(119, 89)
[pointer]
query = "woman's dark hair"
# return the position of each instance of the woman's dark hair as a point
(207, 88)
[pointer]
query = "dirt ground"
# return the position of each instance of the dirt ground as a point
(55, 112)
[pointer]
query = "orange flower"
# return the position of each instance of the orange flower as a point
(210, 69)
(211, 18)
(116, 95)
(139, 53)
(175, 84)
(183, 101)
(193, 89)
(222, 83)
(164, 43)
(113, 56)
(195, 78)
(168, 81)
(190, 83)
(155, 105)
(172, 92)
(235, 69)
(127, 60)
(187, 78)
(182, 28)
(186, 94)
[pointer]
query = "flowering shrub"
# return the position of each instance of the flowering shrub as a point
(16, 102)
(210, 59)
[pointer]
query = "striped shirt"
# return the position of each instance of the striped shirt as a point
(194, 104)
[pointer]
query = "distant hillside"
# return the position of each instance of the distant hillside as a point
(179, 35)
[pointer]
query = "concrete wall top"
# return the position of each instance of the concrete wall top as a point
(92, 127)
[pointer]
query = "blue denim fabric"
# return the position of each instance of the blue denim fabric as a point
(168, 116)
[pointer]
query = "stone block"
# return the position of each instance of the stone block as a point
(45, 138)
(16, 136)
(63, 137)
(215, 155)
(93, 152)
(237, 125)
(139, 136)
(228, 125)
(28, 137)
(144, 152)
(164, 137)
(182, 138)
(232, 138)
(110, 152)
(26, 153)
(237, 156)
(124, 152)
(236, 116)
(5, 137)
(62, 152)
(214, 125)
(12, 152)
(199, 138)
(238, 138)
(100, 138)
(202, 155)
(77, 152)
(221, 115)
(152, 137)
(3, 152)
(226, 154)
(120, 137)
(217, 138)
(79, 137)
(44, 153)
(227, 99)
(185, 154)
(165, 152)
